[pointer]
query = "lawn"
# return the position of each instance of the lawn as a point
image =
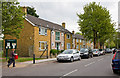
(20, 59)
(23, 59)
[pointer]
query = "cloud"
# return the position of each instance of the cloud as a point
(59, 11)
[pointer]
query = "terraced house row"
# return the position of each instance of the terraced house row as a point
(38, 33)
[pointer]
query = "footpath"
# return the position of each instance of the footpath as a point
(27, 63)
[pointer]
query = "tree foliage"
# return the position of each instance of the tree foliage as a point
(12, 18)
(32, 11)
(95, 23)
(78, 33)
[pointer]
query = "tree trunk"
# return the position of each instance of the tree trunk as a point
(100, 45)
(94, 39)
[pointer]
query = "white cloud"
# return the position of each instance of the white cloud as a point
(59, 11)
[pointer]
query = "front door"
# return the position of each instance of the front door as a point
(57, 46)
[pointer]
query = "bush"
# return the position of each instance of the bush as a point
(54, 51)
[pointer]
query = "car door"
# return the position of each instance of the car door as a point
(75, 54)
(78, 54)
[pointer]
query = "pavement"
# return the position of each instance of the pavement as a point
(96, 66)
(27, 63)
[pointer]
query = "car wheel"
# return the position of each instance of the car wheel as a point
(71, 59)
(115, 71)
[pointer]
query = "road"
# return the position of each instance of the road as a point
(97, 66)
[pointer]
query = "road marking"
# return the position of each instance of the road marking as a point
(89, 64)
(70, 72)
(100, 59)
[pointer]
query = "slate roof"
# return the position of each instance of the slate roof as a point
(77, 36)
(47, 24)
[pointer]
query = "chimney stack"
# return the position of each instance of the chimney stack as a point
(73, 32)
(24, 9)
(63, 24)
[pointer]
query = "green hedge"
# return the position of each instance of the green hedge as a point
(54, 51)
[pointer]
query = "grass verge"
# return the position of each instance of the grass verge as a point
(20, 59)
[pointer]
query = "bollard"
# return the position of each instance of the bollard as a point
(33, 58)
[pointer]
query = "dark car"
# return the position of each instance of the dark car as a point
(116, 62)
(102, 52)
(114, 51)
(84, 52)
(108, 50)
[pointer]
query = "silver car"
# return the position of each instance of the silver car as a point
(70, 55)
(96, 52)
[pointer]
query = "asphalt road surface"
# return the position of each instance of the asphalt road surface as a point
(96, 66)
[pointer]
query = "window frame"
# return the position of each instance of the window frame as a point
(68, 46)
(77, 47)
(77, 40)
(67, 36)
(42, 31)
(80, 40)
(57, 35)
(45, 43)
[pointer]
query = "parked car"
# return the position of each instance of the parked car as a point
(115, 50)
(96, 52)
(84, 52)
(116, 62)
(108, 50)
(102, 52)
(70, 55)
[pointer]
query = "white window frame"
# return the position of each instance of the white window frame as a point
(62, 44)
(42, 31)
(77, 40)
(68, 46)
(77, 46)
(67, 36)
(52, 32)
(57, 36)
(80, 40)
(62, 34)
(45, 42)
(52, 43)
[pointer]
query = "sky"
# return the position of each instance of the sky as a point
(58, 11)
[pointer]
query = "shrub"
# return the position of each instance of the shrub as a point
(53, 51)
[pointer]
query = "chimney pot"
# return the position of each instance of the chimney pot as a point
(73, 32)
(63, 24)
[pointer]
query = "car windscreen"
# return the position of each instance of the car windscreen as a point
(100, 49)
(83, 50)
(117, 55)
(67, 52)
(94, 50)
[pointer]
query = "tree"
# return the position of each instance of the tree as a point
(95, 23)
(12, 18)
(78, 33)
(32, 11)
